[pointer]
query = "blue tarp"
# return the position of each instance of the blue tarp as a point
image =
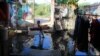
(79, 53)
(70, 45)
(26, 51)
(47, 44)
(47, 41)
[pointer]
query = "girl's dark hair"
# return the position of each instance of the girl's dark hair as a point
(76, 10)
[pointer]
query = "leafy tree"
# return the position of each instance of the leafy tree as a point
(67, 1)
(42, 10)
(72, 1)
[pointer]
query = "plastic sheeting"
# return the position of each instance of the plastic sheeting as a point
(70, 45)
(47, 42)
(26, 51)
(79, 53)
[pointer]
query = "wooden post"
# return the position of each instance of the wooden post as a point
(3, 41)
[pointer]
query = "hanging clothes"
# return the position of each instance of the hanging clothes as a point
(20, 13)
(95, 33)
(13, 16)
(81, 33)
(25, 9)
(4, 13)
